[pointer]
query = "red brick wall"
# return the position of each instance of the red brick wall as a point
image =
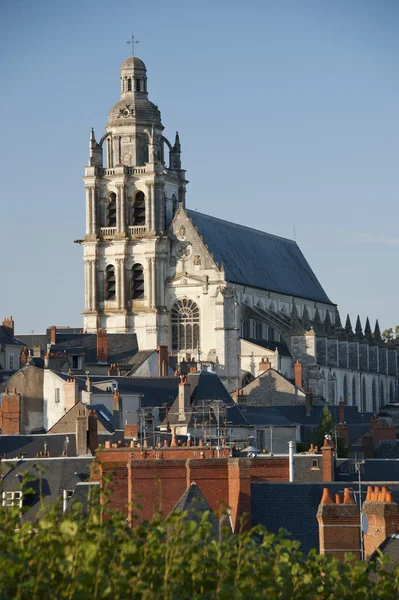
(339, 530)
(270, 469)
(383, 519)
(10, 414)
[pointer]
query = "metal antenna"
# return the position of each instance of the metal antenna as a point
(133, 41)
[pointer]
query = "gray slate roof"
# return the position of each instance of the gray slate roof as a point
(121, 346)
(194, 503)
(258, 259)
(7, 339)
(58, 474)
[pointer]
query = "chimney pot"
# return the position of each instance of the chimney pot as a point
(326, 497)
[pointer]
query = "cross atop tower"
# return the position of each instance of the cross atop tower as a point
(133, 41)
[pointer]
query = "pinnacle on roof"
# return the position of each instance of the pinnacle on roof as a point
(338, 323)
(306, 319)
(358, 328)
(327, 322)
(348, 325)
(176, 146)
(377, 332)
(317, 326)
(367, 329)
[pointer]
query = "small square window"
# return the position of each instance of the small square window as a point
(315, 463)
(12, 499)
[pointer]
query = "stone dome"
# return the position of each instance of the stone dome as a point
(137, 109)
(134, 62)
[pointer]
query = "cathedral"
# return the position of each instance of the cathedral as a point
(220, 294)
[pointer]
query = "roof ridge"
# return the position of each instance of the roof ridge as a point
(273, 235)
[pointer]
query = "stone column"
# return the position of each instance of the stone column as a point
(161, 280)
(118, 209)
(93, 285)
(88, 211)
(153, 284)
(153, 209)
(148, 208)
(147, 282)
(118, 282)
(123, 209)
(94, 204)
(87, 288)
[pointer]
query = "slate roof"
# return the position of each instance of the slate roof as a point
(281, 346)
(387, 449)
(389, 547)
(121, 346)
(294, 506)
(58, 474)
(265, 416)
(207, 386)
(32, 339)
(11, 446)
(194, 503)
(7, 339)
(83, 491)
(258, 259)
(374, 469)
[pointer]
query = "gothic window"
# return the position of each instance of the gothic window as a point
(364, 396)
(139, 209)
(391, 393)
(246, 380)
(185, 325)
(354, 398)
(137, 282)
(374, 397)
(110, 283)
(345, 398)
(382, 394)
(129, 85)
(111, 211)
(138, 87)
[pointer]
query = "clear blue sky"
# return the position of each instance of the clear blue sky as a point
(287, 112)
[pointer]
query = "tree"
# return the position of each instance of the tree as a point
(388, 335)
(329, 427)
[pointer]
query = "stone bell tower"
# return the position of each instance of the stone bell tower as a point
(133, 188)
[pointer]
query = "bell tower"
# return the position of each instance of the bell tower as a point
(134, 183)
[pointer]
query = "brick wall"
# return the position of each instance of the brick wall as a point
(10, 413)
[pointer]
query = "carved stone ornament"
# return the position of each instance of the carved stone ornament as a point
(181, 233)
(197, 259)
(184, 251)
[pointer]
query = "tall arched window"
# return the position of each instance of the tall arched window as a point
(391, 393)
(354, 396)
(174, 203)
(110, 283)
(138, 85)
(185, 325)
(139, 209)
(374, 397)
(111, 211)
(364, 395)
(345, 398)
(137, 282)
(129, 85)
(382, 394)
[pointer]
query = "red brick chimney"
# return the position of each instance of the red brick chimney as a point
(102, 346)
(10, 413)
(383, 518)
(93, 432)
(113, 370)
(339, 530)
(328, 460)
(8, 325)
(342, 429)
(53, 334)
(163, 361)
(264, 365)
(116, 409)
(298, 374)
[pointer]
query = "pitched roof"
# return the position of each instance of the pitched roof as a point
(7, 339)
(194, 503)
(206, 386)
(121, 346)
(258, 259)
(55, 475)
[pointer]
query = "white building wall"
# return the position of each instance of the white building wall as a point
(52, 410)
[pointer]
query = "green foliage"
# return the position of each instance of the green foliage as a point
(329, 427)
(80, 557)
(388, 335)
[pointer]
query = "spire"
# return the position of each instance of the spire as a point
(295, 323)
(377, 332)
(348, 325)
(327, 322)
(92, 136)
(177, 147)
(358, 328)
(338, 324)
(317, 321)
(367, 330)
(96, 155)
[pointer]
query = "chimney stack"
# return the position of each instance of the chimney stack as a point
(184, 397)
(328, 460)
(8, 325)
(81, 433)
(71, 393)
(53, 334)
(102, 346)
(113, 370)
(339, 525)
(163, 361)
(10, 413)
(264, 365)
(383, 518)
(23, 359)
(93, 432)
(298, 374)
(117, 408)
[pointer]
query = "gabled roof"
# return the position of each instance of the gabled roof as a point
(258, 259)
(205, 387)
(194, 504)
(6, 339)
(121, 346)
